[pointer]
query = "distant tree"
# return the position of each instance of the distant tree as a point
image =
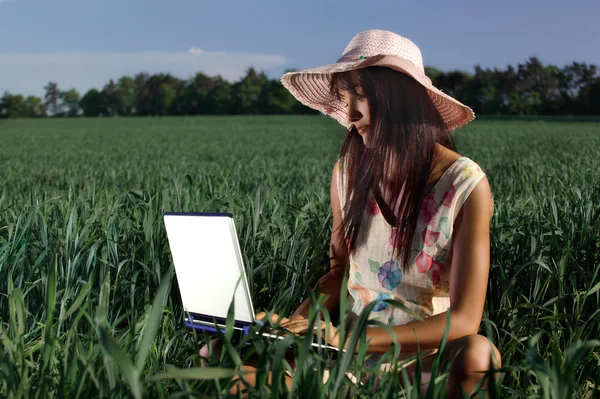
(70, 103)
(552, 100)
(247, 93)
(530, 76)
(577, 87)
(157, 94)
(276, 99)
(3, 105)
(166, 98)
(126, 96)
(483, 90)
(92, 103)
(579, 75)
(13, 106)
(458, 84)
(594, 96)
(16, 106)
(194, 96)
(507, 85)
(52, 98)
(110, 99)
(220, 99)
(141, 92)
(35, 107)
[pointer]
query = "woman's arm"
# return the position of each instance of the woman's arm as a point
(468, 281)
(331, 283)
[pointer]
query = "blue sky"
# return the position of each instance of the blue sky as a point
(83, 43)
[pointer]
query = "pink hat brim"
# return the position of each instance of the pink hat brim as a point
(311, 88)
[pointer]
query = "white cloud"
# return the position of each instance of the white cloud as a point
(196, 50)
(29, 73)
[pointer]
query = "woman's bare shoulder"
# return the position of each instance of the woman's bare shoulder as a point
(445, 158)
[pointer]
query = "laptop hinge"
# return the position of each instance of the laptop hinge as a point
(212, 321)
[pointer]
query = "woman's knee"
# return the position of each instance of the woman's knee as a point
(214, 346)
(475, 355)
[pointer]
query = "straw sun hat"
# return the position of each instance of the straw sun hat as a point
(372, 48)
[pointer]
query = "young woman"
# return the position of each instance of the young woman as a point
(411, 216)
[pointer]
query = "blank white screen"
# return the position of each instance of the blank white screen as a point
(208, 265)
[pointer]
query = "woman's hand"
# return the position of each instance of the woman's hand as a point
(276, 319)
(299, 326)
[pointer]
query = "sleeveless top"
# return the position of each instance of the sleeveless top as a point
(423, 286)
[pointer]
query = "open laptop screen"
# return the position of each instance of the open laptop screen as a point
(208, 264)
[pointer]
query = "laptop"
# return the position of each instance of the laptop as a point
(210, 272)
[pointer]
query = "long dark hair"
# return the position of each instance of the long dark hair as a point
(403, 131)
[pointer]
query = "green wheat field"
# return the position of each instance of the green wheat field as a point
(89, 305)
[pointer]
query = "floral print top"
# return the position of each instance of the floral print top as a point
(423, 286)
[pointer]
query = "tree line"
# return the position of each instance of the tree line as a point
(529, 89)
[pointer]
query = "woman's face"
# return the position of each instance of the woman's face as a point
(357, 107)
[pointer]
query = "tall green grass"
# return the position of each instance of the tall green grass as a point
(89, 305)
